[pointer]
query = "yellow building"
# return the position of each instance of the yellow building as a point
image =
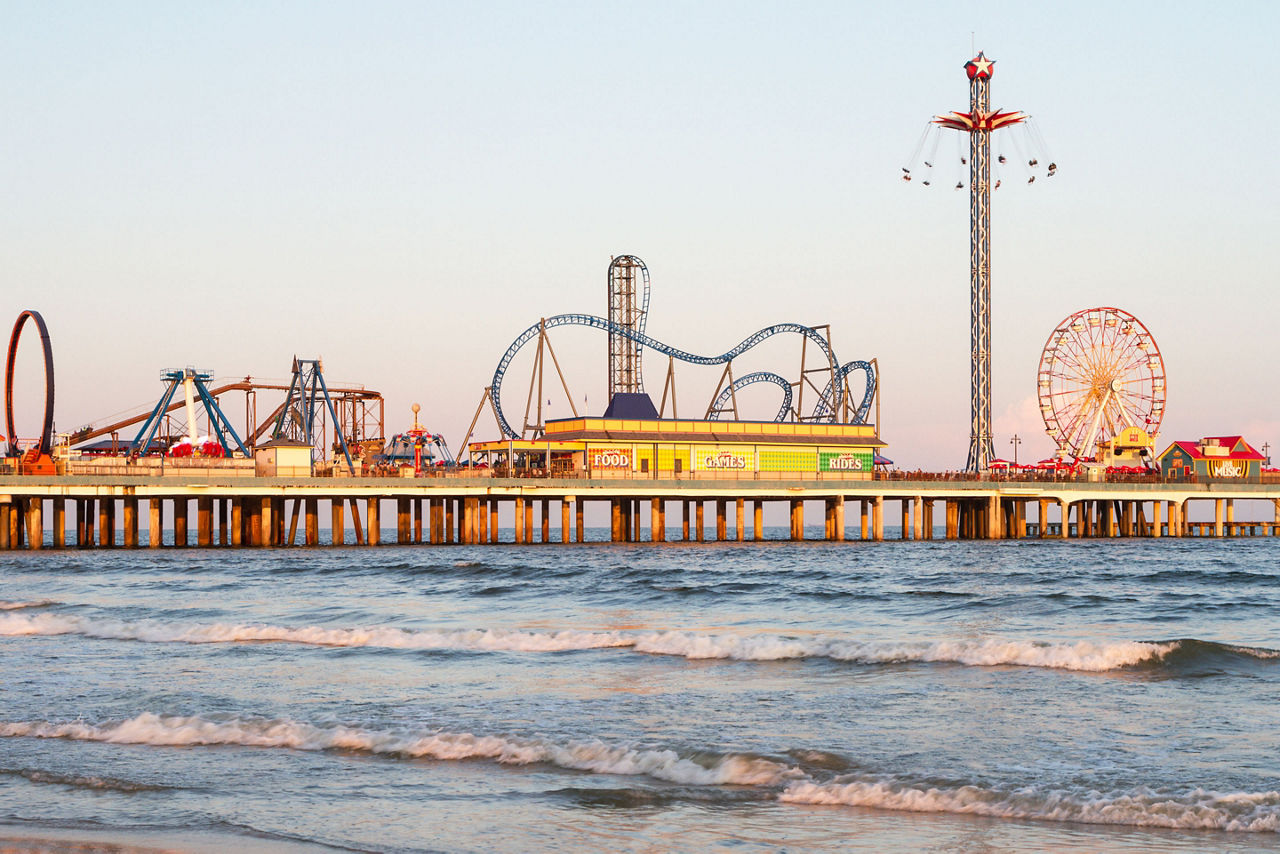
(626, 448)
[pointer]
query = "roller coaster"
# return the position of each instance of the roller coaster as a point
(833, 401)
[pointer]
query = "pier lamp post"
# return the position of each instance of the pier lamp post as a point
(1266, 452)
(1015, 441)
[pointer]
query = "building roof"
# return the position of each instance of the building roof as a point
(720, 437)
(1238, 449)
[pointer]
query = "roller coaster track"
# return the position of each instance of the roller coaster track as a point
(758, 377)
(823, 410)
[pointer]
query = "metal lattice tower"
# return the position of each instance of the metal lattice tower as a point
(979, 122)
(628, 307)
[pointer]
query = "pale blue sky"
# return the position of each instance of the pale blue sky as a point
(400, 188)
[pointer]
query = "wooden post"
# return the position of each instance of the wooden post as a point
(35, 523)
(106, 529)
(223, 506)
(337, 512)
(450, 520)
(740, 520)
(699, 521)
(17, 522)
(465, 520)
(6, 520)
(877, 518)
(373, 506)
(311, 529)
(266, 522)
(546, 520)
(528, 521)
(722, 522)
(685, 524)
(417, 519)
(615, 520)
(180, 522)
(579, 507)
(204, 522)
(797, 519)
(60, 523)
(917, 518)
(86, 512)
(130, 522)
(1231, 517)
(402, 520)
(757, 519)
(657, 525)
(1217, 517)
(356, 527)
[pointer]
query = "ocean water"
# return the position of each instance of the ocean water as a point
(981, 696)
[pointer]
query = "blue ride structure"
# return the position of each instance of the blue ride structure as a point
(627, 340)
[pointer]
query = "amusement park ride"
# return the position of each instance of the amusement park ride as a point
(1100, 374)
(628, 299)
(980, 122)
(343, 419)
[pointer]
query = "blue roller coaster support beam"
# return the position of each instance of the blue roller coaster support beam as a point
(219, 420)
(149, 427)
(308, 383)
(351, 466)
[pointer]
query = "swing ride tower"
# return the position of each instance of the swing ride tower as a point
(979, 123)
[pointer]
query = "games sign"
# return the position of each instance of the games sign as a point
(721, 459)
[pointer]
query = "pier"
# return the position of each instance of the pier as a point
(104, 512)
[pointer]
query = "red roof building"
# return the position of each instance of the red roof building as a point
(1212, 457)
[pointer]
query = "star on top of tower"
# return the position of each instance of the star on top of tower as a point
(979, 66)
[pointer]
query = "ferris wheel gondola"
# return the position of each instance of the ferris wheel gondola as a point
(1100, 372)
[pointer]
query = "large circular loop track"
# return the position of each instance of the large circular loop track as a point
(46, 432)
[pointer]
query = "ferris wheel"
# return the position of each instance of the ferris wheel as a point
(1100, 372)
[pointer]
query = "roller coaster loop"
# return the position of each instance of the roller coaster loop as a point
(46, 432)
(825, 407)
(757, 377)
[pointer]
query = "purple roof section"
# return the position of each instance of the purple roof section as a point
(632, 404)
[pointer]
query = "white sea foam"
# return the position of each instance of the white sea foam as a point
(1082, 655)
(156, 631)
(1197, 808)
(593, 756)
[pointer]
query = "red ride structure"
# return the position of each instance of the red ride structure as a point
(39, 459)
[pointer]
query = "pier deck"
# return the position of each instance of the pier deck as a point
(259, 511)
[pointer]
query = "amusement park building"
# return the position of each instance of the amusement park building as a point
(616, 447)
(1212, 456)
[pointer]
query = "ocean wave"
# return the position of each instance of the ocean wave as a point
(495, 640)
(1187, 656)
(6, 605)
(1195, 809)
(591, 756)
(1082, 655)
(81, 781)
